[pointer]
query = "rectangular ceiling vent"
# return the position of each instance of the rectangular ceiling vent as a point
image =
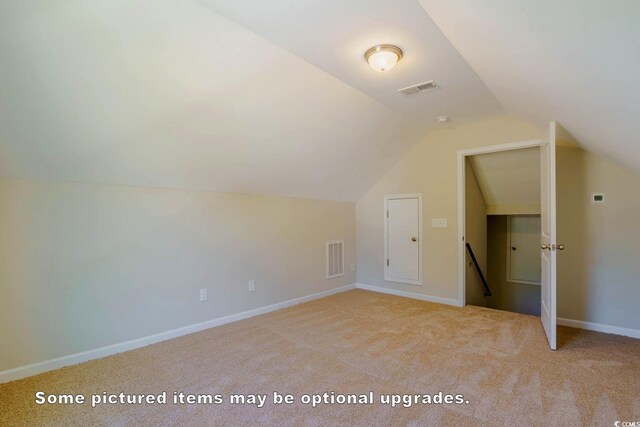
(335, 259)
(419, 88)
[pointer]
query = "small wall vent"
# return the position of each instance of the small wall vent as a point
(420, 87)
(335, 259)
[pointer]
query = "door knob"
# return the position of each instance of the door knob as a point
(561, 247)
(545, 247)
(413, 239)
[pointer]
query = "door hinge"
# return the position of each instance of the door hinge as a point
(387, 214)
(387, 262)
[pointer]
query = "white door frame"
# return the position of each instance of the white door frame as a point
(462, 155)
(386, 238)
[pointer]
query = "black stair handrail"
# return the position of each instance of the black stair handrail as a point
(487, 291)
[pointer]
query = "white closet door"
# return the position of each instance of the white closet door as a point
(403, 239)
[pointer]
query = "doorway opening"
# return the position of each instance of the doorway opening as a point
(546, 148)
(502, 226)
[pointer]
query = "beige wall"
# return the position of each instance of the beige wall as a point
(476, 236)
(510, 296)
(85, 266)
(599, 271)
(429, 168)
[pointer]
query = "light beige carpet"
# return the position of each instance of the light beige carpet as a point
(356, 342)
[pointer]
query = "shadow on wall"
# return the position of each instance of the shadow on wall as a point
(476, 236)
(579, 258)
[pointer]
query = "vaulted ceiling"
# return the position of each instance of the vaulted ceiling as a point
(274, 97)
(574, 61)
(334, 34)
(170, 94)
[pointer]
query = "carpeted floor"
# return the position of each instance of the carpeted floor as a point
(356, 342)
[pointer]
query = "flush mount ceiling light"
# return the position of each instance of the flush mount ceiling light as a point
(383, 57)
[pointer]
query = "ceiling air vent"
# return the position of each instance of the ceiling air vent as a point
(420, 87)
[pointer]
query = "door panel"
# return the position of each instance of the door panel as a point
(403, 249)
(524, 249)
(548, 235)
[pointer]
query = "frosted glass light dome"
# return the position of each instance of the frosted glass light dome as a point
(383, 57)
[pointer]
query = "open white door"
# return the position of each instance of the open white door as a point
(548, 235)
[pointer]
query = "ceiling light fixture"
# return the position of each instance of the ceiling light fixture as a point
(383, 57)
(443, 119)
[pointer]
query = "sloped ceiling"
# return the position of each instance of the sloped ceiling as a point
(509, 177)
(577, 62)
(275, 97)
(170, 94)
(333, 35)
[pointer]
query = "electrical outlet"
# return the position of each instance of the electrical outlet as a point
(252, 285)
(203, 294)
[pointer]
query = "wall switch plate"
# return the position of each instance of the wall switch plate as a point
(252, 285)
(439, 222)
(203, 294)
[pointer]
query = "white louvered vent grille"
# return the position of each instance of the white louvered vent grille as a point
(335, 259)
(420, 87)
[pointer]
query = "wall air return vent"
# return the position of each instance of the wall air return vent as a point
(335, 259)
(420, 87)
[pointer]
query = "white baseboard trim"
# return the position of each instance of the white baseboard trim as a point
(73, 359)
(599, 327)
(413, 295)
